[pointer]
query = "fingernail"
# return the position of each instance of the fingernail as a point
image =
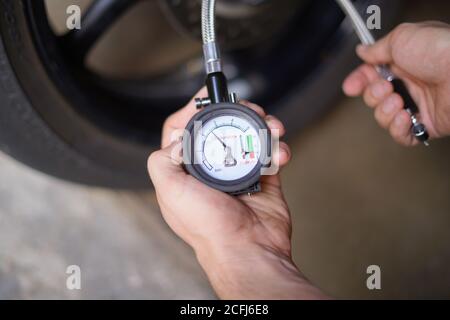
(388, 106)
(269, 118)
(379, 90)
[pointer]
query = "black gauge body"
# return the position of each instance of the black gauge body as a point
(249, 183)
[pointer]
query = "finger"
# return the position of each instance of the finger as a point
(259, 110)
(400, 129)
(284, 155)
(276, 127)
(355, 84)
(180, 119)
(378, 53)
(280, 158)
(164, 166)
(175, 135)
(376, 92)
(433, 23)
(386, 111)
(273, 181)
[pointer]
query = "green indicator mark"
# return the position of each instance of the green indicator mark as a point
(250, 143)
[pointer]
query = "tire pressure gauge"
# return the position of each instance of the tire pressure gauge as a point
(226, 146)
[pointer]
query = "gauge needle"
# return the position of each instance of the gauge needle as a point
(221, 141)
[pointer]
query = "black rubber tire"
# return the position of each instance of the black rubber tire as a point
(40, 129)
(58, 149)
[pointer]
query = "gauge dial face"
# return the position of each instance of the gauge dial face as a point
(227, 147)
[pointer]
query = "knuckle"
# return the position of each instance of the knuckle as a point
(398, 135)
(255, 107)
(166, 128)
(397, 100)
(168, 121)
(273, 119)
(399, 139)
(368, 98)
(380, 118)
(258, 109)
(404, 25)
(402, 29)
(394, 132)
(153, 159)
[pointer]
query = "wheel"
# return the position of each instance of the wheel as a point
(76, 109)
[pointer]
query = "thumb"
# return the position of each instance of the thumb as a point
(165, 166)
(378, 53)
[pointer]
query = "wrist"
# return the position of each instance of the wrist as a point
(252, 271)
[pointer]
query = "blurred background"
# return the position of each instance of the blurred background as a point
(357, 199)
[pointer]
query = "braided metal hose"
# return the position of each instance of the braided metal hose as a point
(211, 50)
(209, 21)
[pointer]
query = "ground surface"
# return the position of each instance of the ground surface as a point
(357, 199)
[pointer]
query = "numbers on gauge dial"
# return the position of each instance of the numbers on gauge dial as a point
(227, 148)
